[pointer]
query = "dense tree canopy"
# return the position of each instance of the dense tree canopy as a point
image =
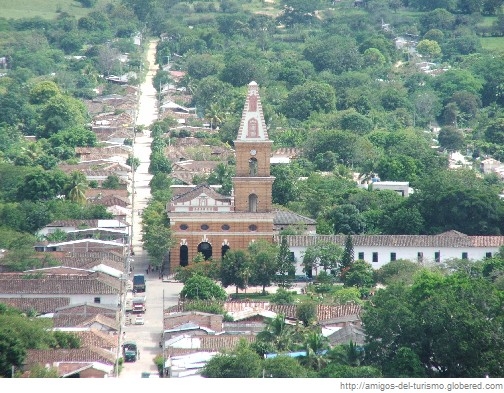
(448, 323)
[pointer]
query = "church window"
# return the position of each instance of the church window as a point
(253, 166)
(252, 128)
(224, 250)
(183, 227)
(206, 249)
(252, 104)
(204, 227)
(225, 227)
(253, 203)
(253, 228)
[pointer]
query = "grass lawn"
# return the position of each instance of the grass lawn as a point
(47, 9)
(487, 21)
(493, 43)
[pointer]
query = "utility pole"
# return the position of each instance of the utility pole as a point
(162, 337)
(122, 312)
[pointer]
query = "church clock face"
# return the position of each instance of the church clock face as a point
(253, 152)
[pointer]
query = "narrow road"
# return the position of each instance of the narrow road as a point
(146, 336)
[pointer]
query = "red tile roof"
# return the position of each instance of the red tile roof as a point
(87, 354)
(40, 305)
(446, 239)
(93, 283)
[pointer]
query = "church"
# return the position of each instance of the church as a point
(204, 221)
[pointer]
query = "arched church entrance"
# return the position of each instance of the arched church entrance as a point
(206, 249)
(184, 255)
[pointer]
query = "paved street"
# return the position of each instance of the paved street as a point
(147, 336)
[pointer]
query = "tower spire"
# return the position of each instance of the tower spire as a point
(252, 125)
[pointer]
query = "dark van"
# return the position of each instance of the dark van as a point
(138, 283)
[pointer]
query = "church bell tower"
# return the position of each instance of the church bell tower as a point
(253, 182)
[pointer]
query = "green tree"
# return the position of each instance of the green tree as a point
(277, 333)
(348, 254)
(306, 312)
(346, 220)
(61, 112)
(450, 138)
(156, 233)
(43, 91)
(315, 346)
(324, 255)
(373, 58)
(41, 184)
(283, 296)
(202, 288)
(285, 268)
(76, 189)
(222, 174)
(405, 364)
(233, 264)
(334, 53)
(397, 271)
(310, 97)
(448, 321)
(347, 354)
(12, 351)
(263, 258)
(438, 18)
(283, 366)
(359, 274)
(458, 200)
(242, 362)
(342, 371)
(494, 132)
(112, 182)
(429, 49)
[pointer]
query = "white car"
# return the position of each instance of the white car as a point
(139, 320)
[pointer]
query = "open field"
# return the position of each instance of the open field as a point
(47, 9)
(487, 21)
(493, 43)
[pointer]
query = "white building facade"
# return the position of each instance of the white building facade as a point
(378, 250)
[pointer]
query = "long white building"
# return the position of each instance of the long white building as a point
(379, 250)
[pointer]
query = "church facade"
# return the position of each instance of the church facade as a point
(204, 221)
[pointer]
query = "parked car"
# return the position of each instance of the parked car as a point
(130, 351)
(139, 320)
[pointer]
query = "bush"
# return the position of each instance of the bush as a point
(211, 307)
(202, 288)
(282, 296)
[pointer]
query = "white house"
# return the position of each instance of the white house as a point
(73, 226)
(80, 287)
(401, 187)
(378, 250)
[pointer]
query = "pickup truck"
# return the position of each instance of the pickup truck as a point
(138, 303)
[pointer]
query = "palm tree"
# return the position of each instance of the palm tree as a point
(278, 333)
(316, 346)
(215, 114)
(77, 188)
(347, 354)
